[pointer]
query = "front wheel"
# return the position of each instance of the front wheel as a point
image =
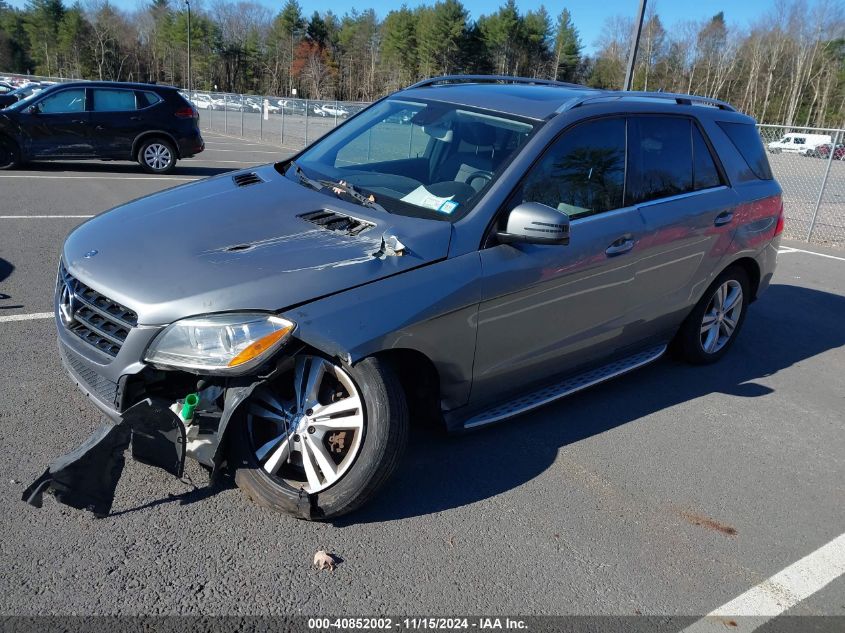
(324, 432)
(713, 325)
(9, 154)
(157, 156)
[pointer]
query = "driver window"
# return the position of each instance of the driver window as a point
(394, 138)
(63, 102)
(583, 173)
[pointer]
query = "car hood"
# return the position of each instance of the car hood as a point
(214, 246)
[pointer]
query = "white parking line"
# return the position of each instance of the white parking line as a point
(25, 317)
(48, 217)
(788, 249)
(101, 177)
(777, 594)
(242, 151)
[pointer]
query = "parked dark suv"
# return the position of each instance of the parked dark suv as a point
(151, 124)
(467, 249)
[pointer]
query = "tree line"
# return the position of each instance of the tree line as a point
(787, 67)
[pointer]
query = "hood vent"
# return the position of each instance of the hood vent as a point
(245, 180)
(337, 222)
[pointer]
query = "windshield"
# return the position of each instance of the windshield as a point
(31, 94)
(426, 159)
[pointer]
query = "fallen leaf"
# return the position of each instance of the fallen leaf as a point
(324, 560)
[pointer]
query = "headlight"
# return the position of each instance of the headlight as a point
(219, 343)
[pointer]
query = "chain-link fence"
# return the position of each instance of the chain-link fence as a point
(288, 122)
(809, 163)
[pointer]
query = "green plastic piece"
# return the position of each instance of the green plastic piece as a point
(191, 402)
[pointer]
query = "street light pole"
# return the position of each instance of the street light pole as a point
(190, 79)
(632, 57)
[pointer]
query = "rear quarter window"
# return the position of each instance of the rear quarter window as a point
(747, 141)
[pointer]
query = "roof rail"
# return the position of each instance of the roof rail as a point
(669, 96)
(446, 79)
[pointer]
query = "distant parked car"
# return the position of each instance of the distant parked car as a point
(18, 94)
(293, 106)
(798, 143)
(150, 124)
(330, 109)
(204, 101)
(5, 87)
(823, 151)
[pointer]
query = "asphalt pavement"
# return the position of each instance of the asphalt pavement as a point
(669, 491)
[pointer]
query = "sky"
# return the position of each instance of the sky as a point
(588, 15)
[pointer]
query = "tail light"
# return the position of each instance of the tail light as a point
(780, 223)
(187, 113)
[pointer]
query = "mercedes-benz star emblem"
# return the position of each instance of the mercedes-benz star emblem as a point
(66, 304)
(91, 254)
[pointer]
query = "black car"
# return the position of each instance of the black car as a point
(151, 124)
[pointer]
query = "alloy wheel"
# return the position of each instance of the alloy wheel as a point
(309, 430)
(157, 156)
(721, 316)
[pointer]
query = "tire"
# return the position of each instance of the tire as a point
(378, 445)
(157, 155)
(10, 156)
(703, 348)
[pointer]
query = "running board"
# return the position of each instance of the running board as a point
(564, 388)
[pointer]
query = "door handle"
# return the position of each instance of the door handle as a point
(134, 118)
(622, 245)
(78, 121)
(724, 217)
(99, 128)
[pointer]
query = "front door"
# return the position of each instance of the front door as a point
(547, 309)
(57, 125)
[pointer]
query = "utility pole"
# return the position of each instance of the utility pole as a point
(190, 79)
(632, 57)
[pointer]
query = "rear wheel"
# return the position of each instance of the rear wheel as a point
(713, 325)
(157, 156)
(324, 432)
(9, 154)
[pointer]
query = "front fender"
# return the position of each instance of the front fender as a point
(431, 309)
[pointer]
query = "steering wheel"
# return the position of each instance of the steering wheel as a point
(479, 174)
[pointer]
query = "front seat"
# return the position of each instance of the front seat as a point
(474, 156)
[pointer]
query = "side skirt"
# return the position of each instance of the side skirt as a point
(565, 387)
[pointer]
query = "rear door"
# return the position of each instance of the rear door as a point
(117, 119)
(57, 125)
(681, 193)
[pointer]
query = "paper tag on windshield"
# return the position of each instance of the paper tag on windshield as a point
(422, 197)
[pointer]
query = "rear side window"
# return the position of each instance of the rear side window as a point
(147, 98)
(705, 174)
(747, 141)
(583, 172)
(659, 158)
(113, 100)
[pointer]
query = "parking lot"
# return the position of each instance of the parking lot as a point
(670, 491)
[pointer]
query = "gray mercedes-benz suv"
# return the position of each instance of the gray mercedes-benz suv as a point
(468, 248)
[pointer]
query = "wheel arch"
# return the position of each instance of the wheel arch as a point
(420, 381)
(752, 269)
(139, 140)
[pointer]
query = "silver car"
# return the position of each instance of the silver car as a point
(469, 248)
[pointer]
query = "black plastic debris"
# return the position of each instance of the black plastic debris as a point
(87, 477)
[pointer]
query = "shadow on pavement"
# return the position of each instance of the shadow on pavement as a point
(183, 168)
(789, 324)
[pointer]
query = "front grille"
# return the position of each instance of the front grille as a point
(103, 388)
(100, 322)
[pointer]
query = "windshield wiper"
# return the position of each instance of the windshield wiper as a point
(353, 193)
(303, 179)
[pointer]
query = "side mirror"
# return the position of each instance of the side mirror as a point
(35, 108)
(535, 223)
